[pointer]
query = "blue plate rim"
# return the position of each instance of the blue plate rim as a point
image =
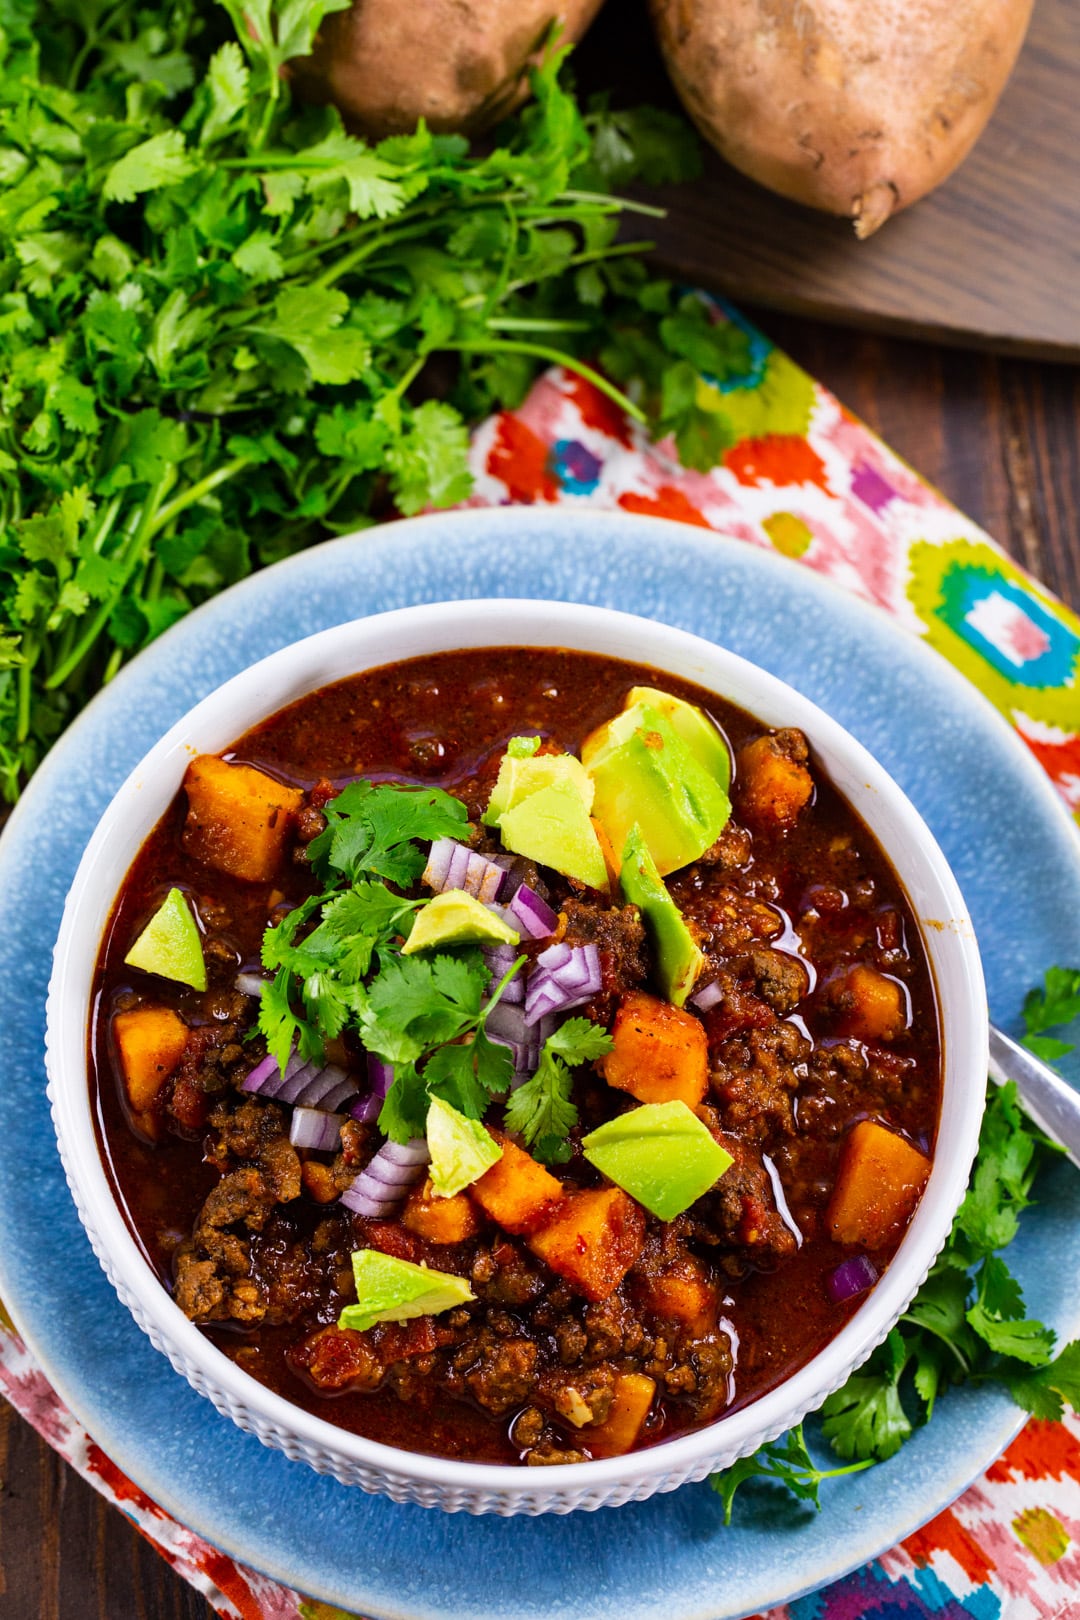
(710, 544)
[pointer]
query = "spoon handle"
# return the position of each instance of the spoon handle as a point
(1053, 1105)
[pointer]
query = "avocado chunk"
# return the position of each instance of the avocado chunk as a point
(391, 1290)
(678, 959)
(645, 773)
(461, 1150)
(701, 735)
(552, 827)
(661, 1154)
(170, 945)
(456, 918)
(520, 776)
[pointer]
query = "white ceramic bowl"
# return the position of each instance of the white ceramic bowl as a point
(389, 638)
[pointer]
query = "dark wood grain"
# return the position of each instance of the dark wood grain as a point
(990, 259)
(999, 437)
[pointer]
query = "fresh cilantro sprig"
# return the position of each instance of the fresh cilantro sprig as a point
(374, 828)
(228, 328)
(968, 1322)
(784, 1462)
(424, 1014)
(1054, 1005)
(541, 1108)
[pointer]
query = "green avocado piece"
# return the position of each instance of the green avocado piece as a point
(170, 944)
(678, 959)
(456, 918)
(645, 773)
(661, 1154)
(461, 1150)
(552, 827)
(701, 735)
(391, 1290)
(520, 777)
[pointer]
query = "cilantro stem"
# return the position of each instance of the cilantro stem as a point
(501, 986)
(140, 526)
(515, 323)
(196, 492)
(30, 653)
(555, 357)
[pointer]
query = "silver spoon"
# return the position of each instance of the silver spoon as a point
(1053, 1105)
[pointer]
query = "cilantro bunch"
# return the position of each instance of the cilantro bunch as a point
(337, 966)
(229, 329)
(968, 1323)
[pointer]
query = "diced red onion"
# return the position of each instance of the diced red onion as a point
(561, 981)
(343, 1092)
(507, 1021)
(453, 866)
(383, 1182)
(311, 1128)
(363, 1203)
(500, 959)
(367, 1110)
(380, 1074)
(413, 1152)
(704, 999)
(308, 1085)
(267, 1079)
(390, 1175)
(437, 869)
(513, 880)
(249, 984)
(534, 916)
(853, 1277)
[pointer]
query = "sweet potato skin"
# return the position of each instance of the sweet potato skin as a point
(458, 64)
(856, 107)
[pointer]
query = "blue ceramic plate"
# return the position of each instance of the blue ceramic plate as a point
(1015, 855)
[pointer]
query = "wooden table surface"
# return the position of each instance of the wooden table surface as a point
(1000, 438)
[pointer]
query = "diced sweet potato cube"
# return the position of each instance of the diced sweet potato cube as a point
(772, 783)
(683, 1294)
(874, 1008)
(660, 1053)
(238, 818)
(592, 1240)
(150, 1042)
(440, 1220)
(629, 1409)
(881, 1178)
(518, 1194)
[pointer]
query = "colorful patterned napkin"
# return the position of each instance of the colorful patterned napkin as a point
(806, 478)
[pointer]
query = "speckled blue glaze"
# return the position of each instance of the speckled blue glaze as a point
(1013, 851)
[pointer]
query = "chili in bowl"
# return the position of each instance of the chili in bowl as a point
(514, 1056)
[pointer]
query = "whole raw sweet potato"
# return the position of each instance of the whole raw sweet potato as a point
(459, 64)
(857, 107)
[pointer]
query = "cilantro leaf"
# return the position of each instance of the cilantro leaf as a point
(1057, 1003)
(1046, 1391)
(163, 160)
(414, 1003)
(579, 1040)
(998, 1317)
(404, 1113)
(372, 829)
(542, 1109)
(785, 1461)
(866, 1418)
(469, 1075)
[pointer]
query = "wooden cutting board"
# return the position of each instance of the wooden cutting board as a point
(991, 259)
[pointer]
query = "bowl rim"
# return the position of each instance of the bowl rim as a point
(499, 622)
